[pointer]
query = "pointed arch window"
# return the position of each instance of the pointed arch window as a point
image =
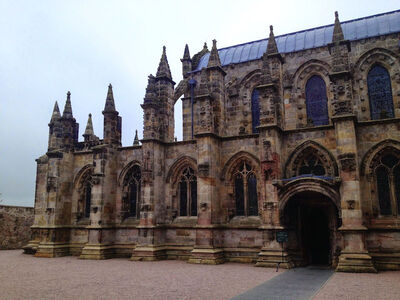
(255, 110)
(188, 193)
(88, 199)
(316, 101)
(245, 185)
(132, 187)
(380, 93)
(85, 198)
(387, 175)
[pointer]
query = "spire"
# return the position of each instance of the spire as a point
(214, 60)
(272, 48)
(89, 127)
(337, 30)
(186, 54)
(67, 113)
(110, 105)
(56, 113)
(136, 141)
(163, 68)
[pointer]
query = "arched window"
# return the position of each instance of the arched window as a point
(245, 181)
(88, 199)
(85, 195)
(380, 93)
(316, 101)
(188, 193)
(255, 110)
(387, 175)
(131, 201)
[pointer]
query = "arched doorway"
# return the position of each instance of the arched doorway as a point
(312, 221)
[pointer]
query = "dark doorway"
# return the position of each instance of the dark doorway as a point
(311, 220)
(315, 235)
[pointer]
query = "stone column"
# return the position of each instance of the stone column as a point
(354, 257)
(207, 250)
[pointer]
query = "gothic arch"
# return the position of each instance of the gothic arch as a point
(81, 173)
(126, 169)
(307, 70)
(324, 156)
(230, 165)
(252, 77)
(375, 57)
(368, 161)
(302, 75)
(316, 185)
(178, 166)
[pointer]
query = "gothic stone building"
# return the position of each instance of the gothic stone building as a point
(296, 134)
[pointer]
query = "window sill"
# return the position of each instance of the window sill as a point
(83, 221)
(250, 221)
(189, 221)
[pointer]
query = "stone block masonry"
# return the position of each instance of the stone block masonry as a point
(15, 223)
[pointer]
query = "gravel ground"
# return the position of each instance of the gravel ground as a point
(346, 286)
(27, 277)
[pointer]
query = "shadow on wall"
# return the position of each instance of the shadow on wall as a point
(15, 223)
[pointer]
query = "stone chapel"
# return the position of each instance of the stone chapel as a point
(296, 135)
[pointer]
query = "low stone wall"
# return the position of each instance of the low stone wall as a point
(15, 222)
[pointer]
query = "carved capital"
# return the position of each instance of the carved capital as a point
(204, 170)
(347, 162)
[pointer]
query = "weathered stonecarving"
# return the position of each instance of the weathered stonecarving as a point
(300, 139)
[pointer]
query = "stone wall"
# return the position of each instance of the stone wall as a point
(15, 222)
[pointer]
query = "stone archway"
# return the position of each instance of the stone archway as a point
(312, 220)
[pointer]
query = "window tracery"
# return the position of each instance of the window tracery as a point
(245, 185)
(132, 188)
(187, 189)
(380, 93)
(316, 101)
(85, 192)
(387, 176)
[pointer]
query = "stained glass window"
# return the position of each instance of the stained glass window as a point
(255, 110)
(380, 93)
(188, 193)
(316, 101)
(245, 183)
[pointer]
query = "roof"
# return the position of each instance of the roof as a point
(367, 27)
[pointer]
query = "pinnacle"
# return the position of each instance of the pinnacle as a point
(214, 60)
(337, 30)
(136, 140)
(67, 113)
(89, 127)
(272, 48)
(110, 105)
(163, 68)
(186, 54)
(56, 113)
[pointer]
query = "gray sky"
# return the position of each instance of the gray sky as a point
(50, 47)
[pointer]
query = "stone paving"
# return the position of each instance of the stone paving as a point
(294, 284)
(27, 277)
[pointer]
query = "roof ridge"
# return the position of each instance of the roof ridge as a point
(313, 28)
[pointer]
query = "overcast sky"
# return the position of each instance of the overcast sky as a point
(50, 47)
